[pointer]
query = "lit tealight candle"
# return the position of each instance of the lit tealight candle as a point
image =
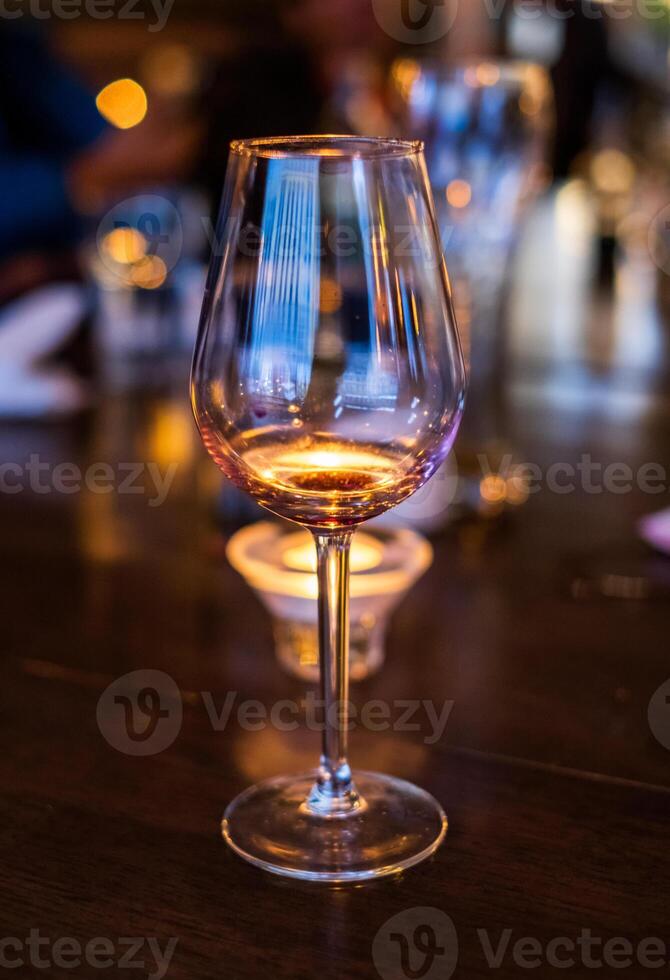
(366, 553)
(280, 565)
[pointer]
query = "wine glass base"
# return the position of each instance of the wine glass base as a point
(398, 826)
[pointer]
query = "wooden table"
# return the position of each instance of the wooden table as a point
(557, 791)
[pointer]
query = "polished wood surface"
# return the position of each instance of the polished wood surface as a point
(557, 792)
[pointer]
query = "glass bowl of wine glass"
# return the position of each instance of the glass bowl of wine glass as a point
(328, 383)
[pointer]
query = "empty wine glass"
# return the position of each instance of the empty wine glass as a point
(328, 383)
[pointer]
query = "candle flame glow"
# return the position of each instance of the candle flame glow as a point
(366, 553)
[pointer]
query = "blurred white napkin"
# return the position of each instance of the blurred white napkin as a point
(32, 328)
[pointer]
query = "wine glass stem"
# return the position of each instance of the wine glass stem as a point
(334, 794)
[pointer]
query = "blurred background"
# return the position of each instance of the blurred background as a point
(547, 130)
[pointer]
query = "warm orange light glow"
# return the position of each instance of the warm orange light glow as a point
(330, 460)
(277, 565)
(459, 193)
(170, 437)
(170, 69)
(123, 103)
(484, 74)
(488, 74)
(331, 296)
(125, 245)
(517, 488)
(493, 489)
(612, 172)
(366, 553)
(149, 273)
(406, 72)
(529, 104)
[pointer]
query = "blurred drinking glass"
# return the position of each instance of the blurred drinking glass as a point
(486, 126)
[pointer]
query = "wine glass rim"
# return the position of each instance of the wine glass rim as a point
(343, 147)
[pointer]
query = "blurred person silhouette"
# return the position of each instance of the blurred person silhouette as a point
(60, 160)
(289, 57)
(46, 119)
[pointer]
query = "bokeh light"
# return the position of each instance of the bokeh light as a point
(123, 103)
(612, 172)
(171, 70)
(459, 193)
(125, 245)
(149, 273)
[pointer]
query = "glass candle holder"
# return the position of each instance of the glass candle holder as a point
(279, 563)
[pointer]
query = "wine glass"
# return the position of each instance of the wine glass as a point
(487, 128)
(328, 383)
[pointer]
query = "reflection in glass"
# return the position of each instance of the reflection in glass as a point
(328, 383)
